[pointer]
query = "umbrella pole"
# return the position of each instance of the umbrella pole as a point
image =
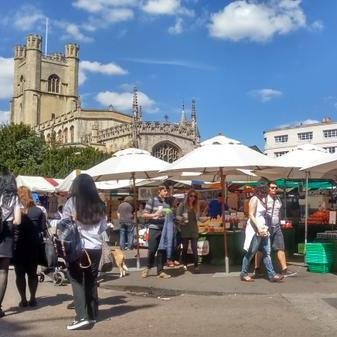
(306, 207)
(223, 190)
(135, 198)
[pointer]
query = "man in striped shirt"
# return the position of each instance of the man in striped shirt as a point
(153, 214)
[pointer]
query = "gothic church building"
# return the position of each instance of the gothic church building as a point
(46, 97)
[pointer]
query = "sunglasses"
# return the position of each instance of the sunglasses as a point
(273, 187)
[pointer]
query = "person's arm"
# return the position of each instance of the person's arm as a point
(259, 229)
(17, 215)
(180, 211)
(148, 210)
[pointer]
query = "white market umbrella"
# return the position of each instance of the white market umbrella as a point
(221, 155)
(297, 158)
(290, 164)
(132, 164)
(37, 184)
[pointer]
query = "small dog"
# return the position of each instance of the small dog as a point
(119, 259)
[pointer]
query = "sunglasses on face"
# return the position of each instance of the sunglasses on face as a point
(273, 187)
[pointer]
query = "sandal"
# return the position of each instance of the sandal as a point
(247, 278)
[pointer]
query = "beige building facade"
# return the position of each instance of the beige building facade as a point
(46, 97)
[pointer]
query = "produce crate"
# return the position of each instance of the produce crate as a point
(320, 254)
(320, 267)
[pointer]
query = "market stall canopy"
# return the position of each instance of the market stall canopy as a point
(325, 168)
(101, 185)
(290, 164)
(125, 163)
(38, 184)
(221, 152)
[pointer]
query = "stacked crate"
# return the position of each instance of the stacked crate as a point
(320, 257)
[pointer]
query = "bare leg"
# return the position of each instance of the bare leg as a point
(281, 257)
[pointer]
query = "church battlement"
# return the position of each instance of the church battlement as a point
(56, 121)
(20, 52)
(59, 57)
(34, 42)
(72, 50)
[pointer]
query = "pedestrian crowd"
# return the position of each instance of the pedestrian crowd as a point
(172, 231)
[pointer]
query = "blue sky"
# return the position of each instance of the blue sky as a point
(250, 65)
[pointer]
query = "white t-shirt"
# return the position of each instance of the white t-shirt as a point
(91, 234)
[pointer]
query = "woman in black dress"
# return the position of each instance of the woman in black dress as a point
(28, 239)
(10, 217)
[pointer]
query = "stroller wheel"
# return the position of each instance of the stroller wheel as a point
(41, 277)
(59, 278)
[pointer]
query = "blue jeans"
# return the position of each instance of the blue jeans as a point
(126, 231)
(262, 244)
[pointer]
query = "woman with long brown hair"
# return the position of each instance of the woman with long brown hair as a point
(188, 215)
(88, 211)
(27, 242)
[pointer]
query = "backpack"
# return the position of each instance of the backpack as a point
(68, 241)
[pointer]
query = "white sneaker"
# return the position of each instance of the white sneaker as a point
(78, 324)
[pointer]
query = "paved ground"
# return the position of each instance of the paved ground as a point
(186, 305)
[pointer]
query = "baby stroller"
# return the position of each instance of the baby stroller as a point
(57, 272)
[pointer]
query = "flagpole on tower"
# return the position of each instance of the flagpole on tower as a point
(46, 38)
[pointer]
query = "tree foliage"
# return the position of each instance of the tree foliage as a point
(24, 152)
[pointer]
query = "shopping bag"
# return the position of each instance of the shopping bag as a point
(203, 247)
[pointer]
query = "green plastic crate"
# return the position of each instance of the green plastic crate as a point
(301, 248)
(320, 267)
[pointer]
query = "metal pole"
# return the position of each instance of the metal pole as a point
(223, 190)
(306, 208)
(46, 38)
(135, 198)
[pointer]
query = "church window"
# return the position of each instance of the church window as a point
(54, 84)
(21, 85)
(59, 136)
(166, 151)
(71, 134)
(65, 135)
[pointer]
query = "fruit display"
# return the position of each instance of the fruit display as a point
(319, 217)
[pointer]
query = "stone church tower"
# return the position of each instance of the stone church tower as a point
(45, 96)
(45, 86)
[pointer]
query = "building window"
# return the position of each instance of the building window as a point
(331, 149)
(59, 136)
(54, 84)
(281, 139)
(281, 153)
(305, 135)
(166, 151)
(71, 129)
(330, 133)
(65, 135)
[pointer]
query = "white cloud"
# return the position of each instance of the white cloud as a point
(123, 101)
(95, 6)
(72, 31)
(118, 15)
(4, 116)
(177, 28)
(97, 67)
(6, 77)
(27, 17)
(317, 26)
(178, 63)
(161, 7)
(266, 95)
(257, 21)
